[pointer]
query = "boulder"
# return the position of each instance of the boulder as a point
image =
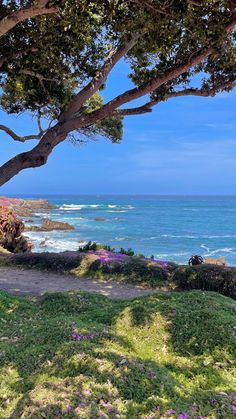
(50, 225)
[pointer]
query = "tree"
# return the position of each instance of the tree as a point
(55, 57)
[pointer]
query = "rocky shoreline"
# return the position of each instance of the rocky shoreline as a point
(24, 208)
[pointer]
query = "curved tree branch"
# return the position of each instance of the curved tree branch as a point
(147, 107)
(150, 86)
(94, 85)
(19, 138)
(55, 135)
(39, 7)
(34, 158)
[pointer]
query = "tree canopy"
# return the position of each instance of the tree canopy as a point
(55, 57)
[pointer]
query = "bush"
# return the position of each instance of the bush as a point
(208, 278)
(11, 229)
(139, 270)
(95, 246)
(128, 252)
(58, 262)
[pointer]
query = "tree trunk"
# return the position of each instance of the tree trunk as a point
(34, 158)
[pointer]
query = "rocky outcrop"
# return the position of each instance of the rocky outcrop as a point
(11, 229)
(25, 208)
(100, 219)
(50, 225)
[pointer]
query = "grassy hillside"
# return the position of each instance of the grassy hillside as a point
(79, 355)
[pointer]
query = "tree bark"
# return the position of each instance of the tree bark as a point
(34, 158)
(37, 9)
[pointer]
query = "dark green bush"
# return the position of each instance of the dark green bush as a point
(128, 252)
(139, 270)
(59, 262)
(207, 277)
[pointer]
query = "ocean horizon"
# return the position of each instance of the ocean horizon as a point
(169, 227)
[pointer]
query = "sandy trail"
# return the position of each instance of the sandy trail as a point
(34, 283)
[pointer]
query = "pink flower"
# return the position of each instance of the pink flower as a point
(233, 407)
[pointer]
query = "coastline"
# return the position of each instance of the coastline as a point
(170, 228)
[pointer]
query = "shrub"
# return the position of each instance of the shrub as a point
(11, 229)
(139, 270)
(88, 265)
(128, 252)
(59, 262)
(93, 246)
(208, 278)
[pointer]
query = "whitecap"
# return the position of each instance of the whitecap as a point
(75, 207)
(116, 211)
(179, 236)
(220, 250)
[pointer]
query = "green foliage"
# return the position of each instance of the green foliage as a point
(58, 303)
(95, 246)
(88, 246)
(51, 57)
(207, 277)
(56, 262)
(147, 356)
(128, 252)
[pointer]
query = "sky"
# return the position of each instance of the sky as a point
(186, 146)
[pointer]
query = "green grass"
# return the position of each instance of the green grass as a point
(166, 351)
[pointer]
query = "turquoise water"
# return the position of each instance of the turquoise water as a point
(170, 228)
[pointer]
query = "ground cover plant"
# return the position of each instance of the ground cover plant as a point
(169, 355)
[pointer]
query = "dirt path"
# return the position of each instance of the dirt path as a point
(33, 283)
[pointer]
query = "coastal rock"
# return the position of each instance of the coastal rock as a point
(50, 225)
(25, 208)
(11, 229)
(100, 219)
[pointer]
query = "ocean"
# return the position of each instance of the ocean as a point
(168, 227)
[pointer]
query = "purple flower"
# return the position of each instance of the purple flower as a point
(171, 412)
(81, 336)
(69, 409)
(233, 407)
(152, 374)
(156, 409)
(183, 416)
(110, 407)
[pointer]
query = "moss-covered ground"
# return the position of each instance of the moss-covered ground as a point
(166, 355)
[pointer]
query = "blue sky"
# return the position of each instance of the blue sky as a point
(186, 146)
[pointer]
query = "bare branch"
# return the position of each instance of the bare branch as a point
(39, 122)
(149, 6)
(147, 107)
(19, 138)
(39, 7)
(39, 76)
(100, 78)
